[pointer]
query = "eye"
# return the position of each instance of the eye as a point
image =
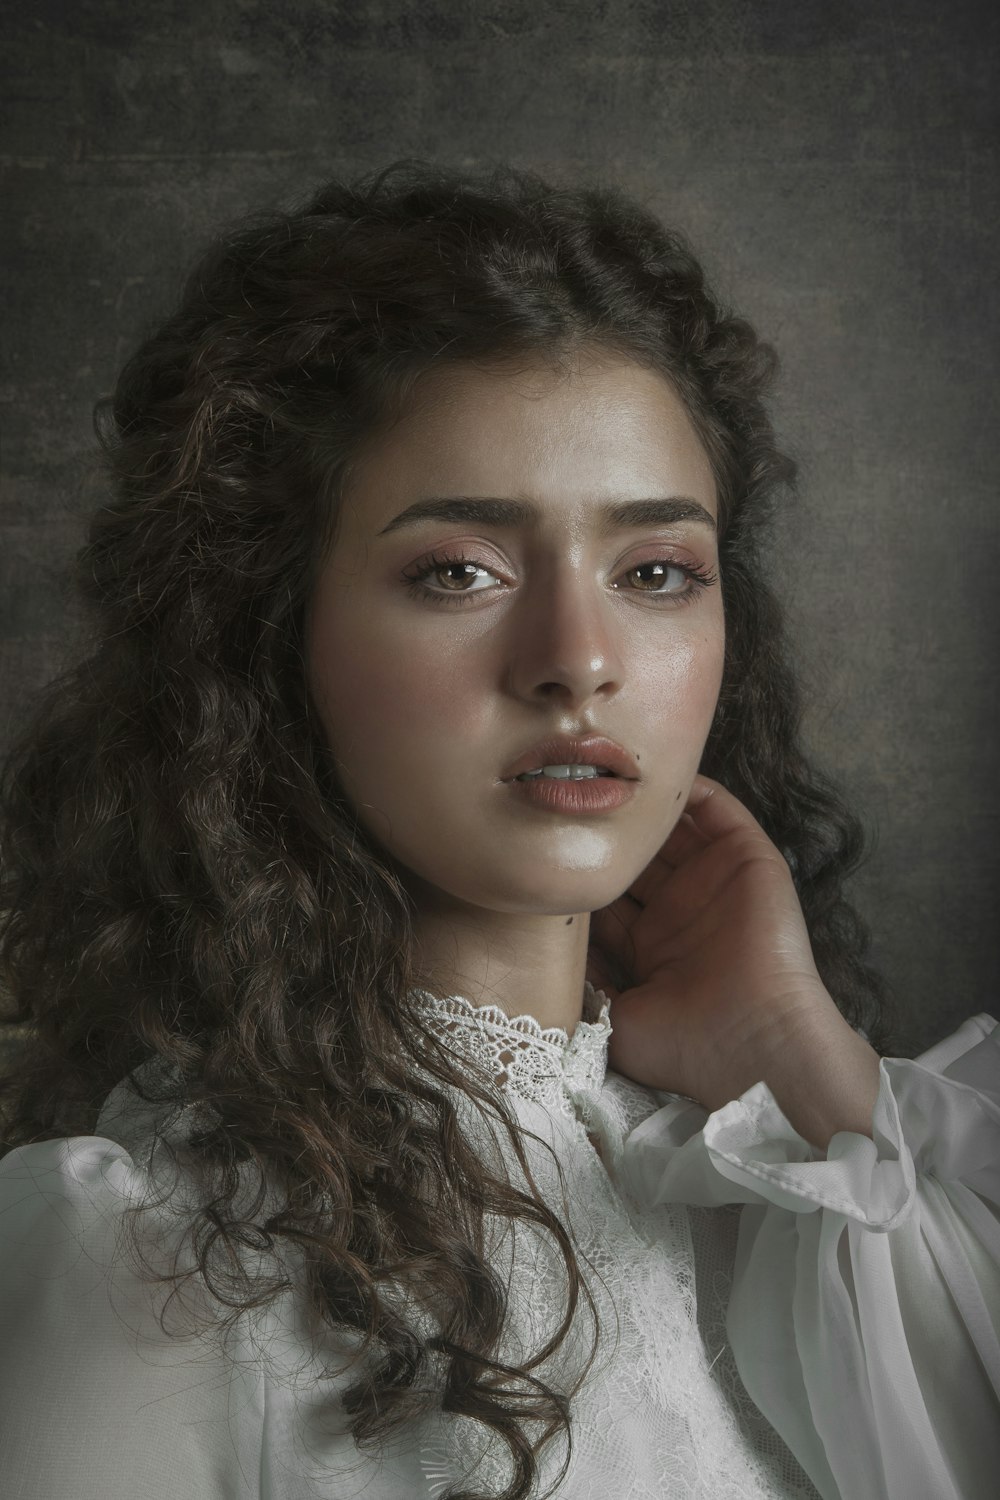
(698, 578)
(662, 568)
(465, 570)
(441, 564)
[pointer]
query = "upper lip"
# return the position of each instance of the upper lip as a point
(573, 750)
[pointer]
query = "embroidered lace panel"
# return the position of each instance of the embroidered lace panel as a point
(545, 1065)
(663, 1410)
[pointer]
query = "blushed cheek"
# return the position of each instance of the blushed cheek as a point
(687, 685)
(709, 684)
(707, 679)
(380, 699)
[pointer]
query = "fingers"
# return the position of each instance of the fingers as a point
(716, 812)
(684, 840)
(711, 814)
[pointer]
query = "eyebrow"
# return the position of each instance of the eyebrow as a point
(495, 512)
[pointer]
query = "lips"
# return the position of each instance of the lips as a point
(570, 750)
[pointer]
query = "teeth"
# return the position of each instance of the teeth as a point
(564, 773)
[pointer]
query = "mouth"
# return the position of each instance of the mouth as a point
(566, 756)
(568, 773)
(586, 794)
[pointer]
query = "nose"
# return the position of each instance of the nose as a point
(566, 639)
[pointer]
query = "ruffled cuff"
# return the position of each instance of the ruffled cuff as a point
(874, 1355)
(936, 1115)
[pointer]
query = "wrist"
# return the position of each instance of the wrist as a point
(824, 1078)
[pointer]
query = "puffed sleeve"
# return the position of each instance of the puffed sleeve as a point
(96, 1401)
(864, 1317)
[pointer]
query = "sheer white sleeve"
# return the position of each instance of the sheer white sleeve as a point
(865, 1311)
(98, 1401)
(95, 1401)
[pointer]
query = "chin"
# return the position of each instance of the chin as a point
(567, 893)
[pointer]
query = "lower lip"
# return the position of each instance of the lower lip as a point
(599, 794)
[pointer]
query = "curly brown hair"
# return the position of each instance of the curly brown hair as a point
(183, 879)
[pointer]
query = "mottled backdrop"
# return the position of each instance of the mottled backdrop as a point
(835, 164)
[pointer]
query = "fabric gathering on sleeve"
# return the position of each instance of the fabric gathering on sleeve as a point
(98, 1401)
(864, 1316)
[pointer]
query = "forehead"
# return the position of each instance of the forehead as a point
(599, 428)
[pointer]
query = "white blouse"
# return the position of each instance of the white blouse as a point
(776, 1321)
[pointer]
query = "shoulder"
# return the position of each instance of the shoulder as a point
(72, 1190)
(60, 1199)
(66, 1204)
(98, 1398)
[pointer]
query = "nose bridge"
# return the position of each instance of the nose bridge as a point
(567, 631)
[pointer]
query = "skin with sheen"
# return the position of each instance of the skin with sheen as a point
(425, 699)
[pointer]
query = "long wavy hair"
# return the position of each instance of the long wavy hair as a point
(184, 880)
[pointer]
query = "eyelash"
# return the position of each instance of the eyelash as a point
(700, 578)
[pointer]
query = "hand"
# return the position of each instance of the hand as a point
(725, 991)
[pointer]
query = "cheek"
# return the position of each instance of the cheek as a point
(379, 696)
(686, 680)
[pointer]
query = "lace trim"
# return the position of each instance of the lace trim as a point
(544, 1064)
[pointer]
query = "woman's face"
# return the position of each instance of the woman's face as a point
(428, 694)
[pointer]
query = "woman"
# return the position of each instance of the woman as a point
(432, 933)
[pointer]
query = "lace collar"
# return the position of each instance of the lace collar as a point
(546, 1065)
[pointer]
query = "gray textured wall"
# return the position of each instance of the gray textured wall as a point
(836, 165)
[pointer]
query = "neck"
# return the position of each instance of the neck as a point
(524, 964)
